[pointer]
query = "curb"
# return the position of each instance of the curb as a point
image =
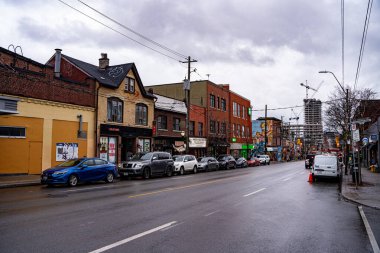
(13, 185)
(357, 202)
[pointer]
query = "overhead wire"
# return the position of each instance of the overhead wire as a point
(364, 37)
(134, 32)
(113, 29)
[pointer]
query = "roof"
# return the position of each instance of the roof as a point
(111, 76)
(21, 57)
(268, 118)
(170, 104)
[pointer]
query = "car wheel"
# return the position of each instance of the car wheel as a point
(206, 168)
(182, 171)
(195, 170)
(109, 178)
(269, 163)
(73, 180)
(146, 173)
(169, 172)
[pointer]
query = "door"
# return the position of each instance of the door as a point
(35, 157)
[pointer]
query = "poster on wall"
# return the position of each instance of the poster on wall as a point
(103, 148)
(112, 150)
(65, 151)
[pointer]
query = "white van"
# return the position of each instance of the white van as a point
(325, 166)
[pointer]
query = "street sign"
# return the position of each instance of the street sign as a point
(365, 141)
(356, 136)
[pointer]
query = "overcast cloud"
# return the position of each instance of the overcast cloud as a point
(263, 49)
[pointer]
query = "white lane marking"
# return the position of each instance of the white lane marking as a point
(286, 179)
(113, 245)
(249, 194)
(372, 238)
(167, 228)
(212, 213)
(89, 188)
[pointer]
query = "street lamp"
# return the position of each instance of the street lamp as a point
(347, 122)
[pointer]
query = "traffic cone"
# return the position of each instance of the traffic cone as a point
(310, 178)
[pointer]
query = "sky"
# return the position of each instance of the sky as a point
(263, 48)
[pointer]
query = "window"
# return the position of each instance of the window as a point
(234, 109)
(130, 84)
(218, 103)
(114, 110)
(233, 129)
(212, 100)
(177, 124)
(200, 129)
(217, 127)
(242, 131)
(100, 162)
(141, 114)
(238, 110)
(224, 105)
(162, 122)
(243, 114)
(191, 128)
(223, 128)
(15, 132)
(238, 130)
(212, 126)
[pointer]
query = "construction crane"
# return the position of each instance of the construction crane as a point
(308, 88)
(296, 118)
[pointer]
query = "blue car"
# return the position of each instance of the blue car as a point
(73, 171)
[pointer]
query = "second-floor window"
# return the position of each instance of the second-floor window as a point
(212, 126)
(223, 127)
(177, 124)
(212, 101)
(243, 114)
(114, 110)
(162, 122)
(224, 105)
(200, 129)
(141, 114)
(242, 131)
(191, 128)
(130, 84)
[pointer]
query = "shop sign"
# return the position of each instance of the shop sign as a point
(235, 146)
(65, 151)
(197, 142)
(373, 138)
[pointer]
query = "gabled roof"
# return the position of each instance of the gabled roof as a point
(170, 104)
(112, 76)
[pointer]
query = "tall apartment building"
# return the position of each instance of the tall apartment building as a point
(313, 130)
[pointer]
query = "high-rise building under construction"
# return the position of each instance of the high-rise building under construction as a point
(313, 130)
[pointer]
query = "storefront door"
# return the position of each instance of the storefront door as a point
(108, 148)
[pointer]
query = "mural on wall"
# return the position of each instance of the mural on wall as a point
(65, 151)
(258, 134)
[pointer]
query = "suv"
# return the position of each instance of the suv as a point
(226, 162)
(184, 163)
(150, 164)
(309, 161)
(264, 159)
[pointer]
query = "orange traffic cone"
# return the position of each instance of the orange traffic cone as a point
(310, 178)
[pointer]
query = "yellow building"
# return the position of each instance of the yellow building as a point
(42, 120)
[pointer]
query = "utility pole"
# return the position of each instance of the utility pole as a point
(265, 131)
(347, 134)
(187, 99)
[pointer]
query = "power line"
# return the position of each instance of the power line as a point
(342, 25)
(138, 42)
(364, 37)
(136, 33)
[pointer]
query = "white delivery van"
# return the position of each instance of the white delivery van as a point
(325, 166)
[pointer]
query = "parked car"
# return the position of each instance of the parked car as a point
(325, 166)
(254, 161)
(134, 157)
(226, 162)
(241, 162)
(264, 159)
(309, 161)
(207, 164)
(185, 163)
(150, 164)
(73, 171)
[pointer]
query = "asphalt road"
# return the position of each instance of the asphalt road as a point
(261, 209)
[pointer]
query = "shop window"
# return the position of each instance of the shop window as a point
(12, 132)
(141, 114)
(114, 110)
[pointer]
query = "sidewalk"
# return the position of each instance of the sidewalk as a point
(368, 194)
(19, 180)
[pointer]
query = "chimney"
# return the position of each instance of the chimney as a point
(104, 62)
(57, 63)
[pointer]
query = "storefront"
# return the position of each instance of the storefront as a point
(198, 146)
(119, 143)
(241, 149)
(218, 146)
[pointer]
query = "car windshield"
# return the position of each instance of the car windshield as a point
(202, 160)
(240, 159)
(147, 156)
(178, 158)
(222, 158)
(137, 156)
(70, 163)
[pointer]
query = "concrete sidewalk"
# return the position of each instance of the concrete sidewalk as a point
(367, 194)
(19, 180)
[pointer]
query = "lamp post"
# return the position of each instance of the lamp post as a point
(347, 118)
(183, 135)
